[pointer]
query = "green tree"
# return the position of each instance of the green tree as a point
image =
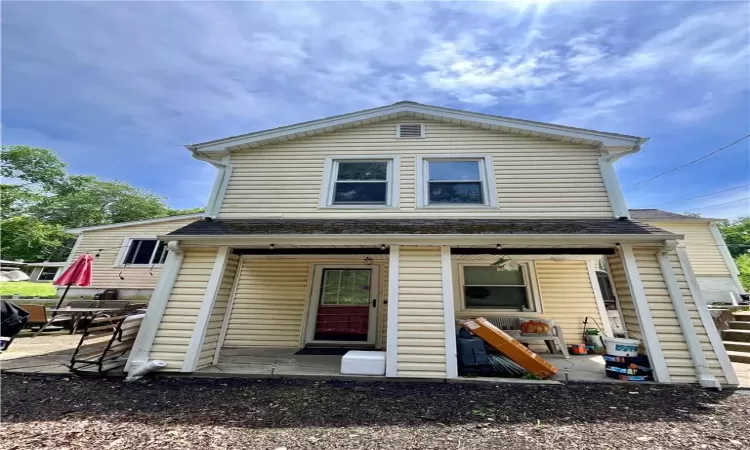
(42, 200)
(31, 239)
(743, 265)
(31, 165)
(737, 236)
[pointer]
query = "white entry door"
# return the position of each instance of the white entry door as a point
(343, 305)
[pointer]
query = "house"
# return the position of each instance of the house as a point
(378, 228)
(42, 272)
(714, 267)
(127, 256)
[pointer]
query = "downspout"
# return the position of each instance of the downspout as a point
(611, 183)
(214, 200)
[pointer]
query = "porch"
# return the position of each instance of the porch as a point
(285, 362)
(252, 298)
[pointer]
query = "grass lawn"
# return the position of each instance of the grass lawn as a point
(27, 289)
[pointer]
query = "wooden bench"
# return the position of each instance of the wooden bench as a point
(512, 326)
(107, 355)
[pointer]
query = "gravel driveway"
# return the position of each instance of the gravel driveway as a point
(175, 413)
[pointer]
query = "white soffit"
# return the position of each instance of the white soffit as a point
(607, 141)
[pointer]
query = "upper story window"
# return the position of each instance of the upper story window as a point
(366, 182)
(456, 182)
(145, 252)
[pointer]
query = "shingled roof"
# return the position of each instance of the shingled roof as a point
(244, 227)
(658, 214)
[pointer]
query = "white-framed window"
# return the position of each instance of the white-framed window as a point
(47, 274)
(484, 287)
(142, 252)
(356, 182)
(456, 182)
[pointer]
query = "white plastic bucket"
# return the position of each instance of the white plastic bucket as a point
(620, 346)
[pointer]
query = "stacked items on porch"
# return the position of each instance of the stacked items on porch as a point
(507, 357)
(622, 361)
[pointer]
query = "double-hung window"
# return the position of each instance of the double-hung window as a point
(144, 252)
(360, 182)
(456, 181)
(486, 287)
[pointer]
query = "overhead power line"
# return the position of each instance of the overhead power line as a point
(720, 204)
(691, 162)
(700, 196)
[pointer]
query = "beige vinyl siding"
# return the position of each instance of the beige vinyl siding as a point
(107, 244)
(208, 348)
(679, 363)
(622, 291)
(421, 330)
(702, 248)
(564, 288)
(178, 322)
(271, 298)
(535, 177)
(672, 342)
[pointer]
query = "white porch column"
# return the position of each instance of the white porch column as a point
(449, 315)
(591, 266)
(645, 320)
(708, 323)
(207, 307)
(705, 378)
(156, 307)
(391, 356)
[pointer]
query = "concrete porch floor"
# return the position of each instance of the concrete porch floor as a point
(283, 362)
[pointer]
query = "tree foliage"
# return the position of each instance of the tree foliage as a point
(42, 200)
(737, 236)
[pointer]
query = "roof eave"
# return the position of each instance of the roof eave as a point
(604, 139)
(132, 223)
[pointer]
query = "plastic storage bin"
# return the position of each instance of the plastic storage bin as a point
(621, 346)
(358, 362)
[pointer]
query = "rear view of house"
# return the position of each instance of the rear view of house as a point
(377, 230)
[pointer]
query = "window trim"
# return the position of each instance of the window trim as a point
(423, 131)
(125, 247)
(532, 290)
(486, 174)
(330, 173)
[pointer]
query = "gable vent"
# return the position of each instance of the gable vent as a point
(410, 130)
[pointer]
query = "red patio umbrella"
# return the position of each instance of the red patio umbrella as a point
(79, 274)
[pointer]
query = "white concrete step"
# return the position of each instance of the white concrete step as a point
(736, 335)
(737, 346)
(739, 325)
(739, 357)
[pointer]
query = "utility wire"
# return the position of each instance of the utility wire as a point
(720, 204)
(700, 196)
(691, 162)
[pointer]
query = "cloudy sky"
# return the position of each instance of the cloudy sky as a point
(116, 88)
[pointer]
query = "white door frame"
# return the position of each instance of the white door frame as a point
(314, 300)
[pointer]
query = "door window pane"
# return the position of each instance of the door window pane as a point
(345, 287)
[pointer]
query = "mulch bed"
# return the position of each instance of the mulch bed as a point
(181, 413)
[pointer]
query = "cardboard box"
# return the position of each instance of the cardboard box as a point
(510, 347)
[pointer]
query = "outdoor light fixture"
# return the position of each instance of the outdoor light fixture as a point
(499, 247)
(270, 246)
(382, 247)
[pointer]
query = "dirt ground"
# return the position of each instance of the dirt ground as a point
(178, 413)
